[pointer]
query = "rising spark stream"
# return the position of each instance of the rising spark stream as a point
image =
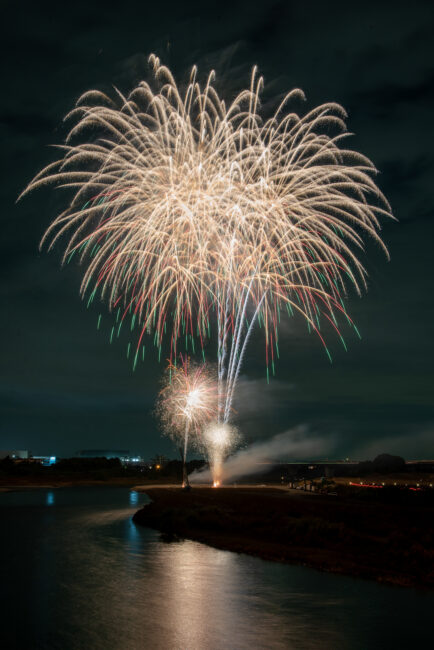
(219, 439)
(186, 209)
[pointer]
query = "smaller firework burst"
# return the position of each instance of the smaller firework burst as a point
(219, 439)
(186, 404)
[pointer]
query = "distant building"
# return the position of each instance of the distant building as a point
(46, 461)
(15, 454)
(18, 455)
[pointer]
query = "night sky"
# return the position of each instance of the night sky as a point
(63, 386)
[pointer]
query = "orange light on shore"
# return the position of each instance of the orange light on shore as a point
(216, 484)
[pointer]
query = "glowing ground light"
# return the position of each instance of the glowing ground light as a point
(219, 440)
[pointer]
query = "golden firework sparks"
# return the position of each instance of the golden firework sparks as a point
(184, 207)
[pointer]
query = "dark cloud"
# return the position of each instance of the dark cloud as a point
(387, 98)
(275, 16)
(412, 444)
(26, 123)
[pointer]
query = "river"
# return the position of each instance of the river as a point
(76, 573)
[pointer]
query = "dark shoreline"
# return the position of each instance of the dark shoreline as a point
(389, 543)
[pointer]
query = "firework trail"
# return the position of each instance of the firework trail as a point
(186, 210)
(219, 439)
(186, 404)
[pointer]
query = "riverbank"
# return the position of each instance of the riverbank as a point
(387, 542)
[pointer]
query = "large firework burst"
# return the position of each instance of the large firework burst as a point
(184, 207)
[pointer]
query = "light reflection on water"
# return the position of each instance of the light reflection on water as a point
(49, 499)
(80, 574)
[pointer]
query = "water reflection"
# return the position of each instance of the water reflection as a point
(49, 499)
(215, 597)
(87, 577)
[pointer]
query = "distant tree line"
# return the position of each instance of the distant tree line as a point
(382, 464)
(106, 468)
(95, 468)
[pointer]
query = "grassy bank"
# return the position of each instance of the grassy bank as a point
(388, 539)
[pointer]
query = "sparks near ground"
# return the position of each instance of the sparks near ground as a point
(186, 404)
(219, 440)
(189, 211)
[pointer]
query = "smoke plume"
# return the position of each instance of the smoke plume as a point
(292, 445)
